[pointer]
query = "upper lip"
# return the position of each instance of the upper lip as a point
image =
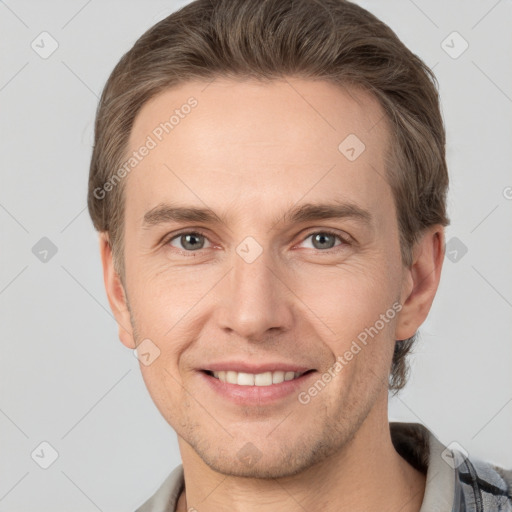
(245, 367)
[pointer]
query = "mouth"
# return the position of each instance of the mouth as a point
(264, 379)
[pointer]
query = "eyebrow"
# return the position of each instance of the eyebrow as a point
(164, 213)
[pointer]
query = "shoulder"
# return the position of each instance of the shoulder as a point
(484, 486)
(167, 494)
(455, 481)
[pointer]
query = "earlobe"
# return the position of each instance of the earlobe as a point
(421, 281)
(115, 292)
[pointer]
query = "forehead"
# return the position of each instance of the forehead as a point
(258, 145)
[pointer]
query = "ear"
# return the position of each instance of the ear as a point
(115, 292)
(420, 282)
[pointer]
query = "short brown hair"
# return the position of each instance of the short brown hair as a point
(332, 40)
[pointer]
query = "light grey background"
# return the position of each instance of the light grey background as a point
(66, 379)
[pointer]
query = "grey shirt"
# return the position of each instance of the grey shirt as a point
(454, 482)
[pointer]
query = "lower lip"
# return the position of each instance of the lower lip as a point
(255, 395)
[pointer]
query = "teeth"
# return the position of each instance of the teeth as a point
(259, 379)
(263, 379)
(277, 377)
(245, 379)
(231, 377)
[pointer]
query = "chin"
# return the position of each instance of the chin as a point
(269, 463)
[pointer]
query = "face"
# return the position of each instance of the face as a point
(261, 243)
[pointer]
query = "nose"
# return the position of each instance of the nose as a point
(255, 299)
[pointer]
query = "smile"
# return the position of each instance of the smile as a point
(252, 379)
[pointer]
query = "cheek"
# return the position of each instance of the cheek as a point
(161, 297)
(357, 307)
(348, 298)
(164, 386)
(168, 309)
(340, 300)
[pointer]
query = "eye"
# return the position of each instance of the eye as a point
(325, 240)
(189, 241)
(192, 241)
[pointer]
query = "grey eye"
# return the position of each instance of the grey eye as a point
(322, 240)
(189, 241)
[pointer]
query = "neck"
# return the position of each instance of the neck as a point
(365, 474)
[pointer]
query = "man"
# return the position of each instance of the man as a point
(269, 183)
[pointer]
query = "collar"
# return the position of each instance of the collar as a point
(418, 446)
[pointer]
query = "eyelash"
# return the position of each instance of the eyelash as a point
(344, 242)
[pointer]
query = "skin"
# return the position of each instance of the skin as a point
(250, 151)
